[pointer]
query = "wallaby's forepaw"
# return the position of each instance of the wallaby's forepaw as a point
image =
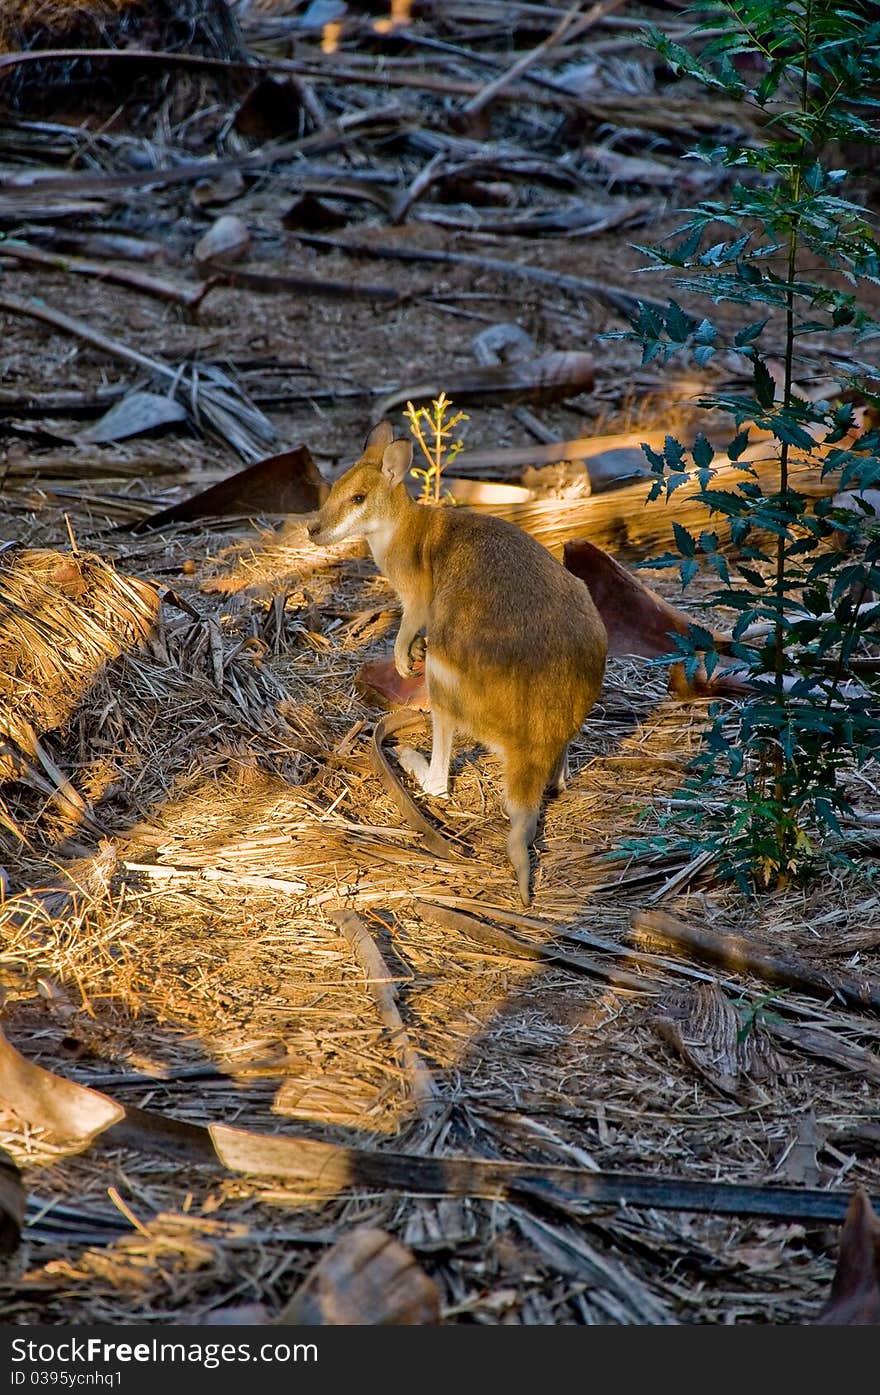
(409, 659)
(415, 764)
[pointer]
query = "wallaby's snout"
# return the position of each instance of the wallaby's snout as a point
(359, 503)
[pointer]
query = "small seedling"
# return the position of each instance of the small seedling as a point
(432, 429)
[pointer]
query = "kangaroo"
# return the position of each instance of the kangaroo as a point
(514, 646)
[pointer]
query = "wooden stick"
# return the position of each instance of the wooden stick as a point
(82, 182)
(188, 297)
(84, 1116)
(308, 285)
(38, 310)
(380, 982)
(610, 296)
(570, 25)
(749, 956)
(826, 1046)
(512, 943)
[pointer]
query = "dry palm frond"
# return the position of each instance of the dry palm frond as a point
(230, 413)
(232, 416)
(62, 616)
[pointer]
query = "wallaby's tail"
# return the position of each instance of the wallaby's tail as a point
(525, 782)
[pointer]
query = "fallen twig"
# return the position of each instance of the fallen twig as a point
(83, 1116)
(570, 26)
(188, 297)
(203, 389)
(487, 933)
(309, 285)
(749, 956)
(380, 983)
(612, 297)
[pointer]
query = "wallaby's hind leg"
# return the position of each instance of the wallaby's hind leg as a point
(524, 781)
(558, 781)
(433, 778)
(523, 824)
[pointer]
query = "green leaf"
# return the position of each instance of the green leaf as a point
(765, 387)
(750, 333)
(702, 452)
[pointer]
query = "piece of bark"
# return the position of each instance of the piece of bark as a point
(855, 1289)
(827, 1046)
(367, 1279)
(333, 1168)
(48, 1101)
(12, 1204)
(551, 377)
(612, 297)
(750, 956)
(702, 1026)
(285, 483)
(272, 282)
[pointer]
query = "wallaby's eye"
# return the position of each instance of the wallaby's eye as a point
(358, 498)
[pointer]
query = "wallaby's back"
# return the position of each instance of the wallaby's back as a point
(520, 644)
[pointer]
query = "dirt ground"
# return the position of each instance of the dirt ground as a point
(225, 761)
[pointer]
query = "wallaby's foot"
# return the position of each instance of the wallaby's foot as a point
(523, 823)
(415, 764)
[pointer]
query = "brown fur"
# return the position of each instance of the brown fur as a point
(515, 646)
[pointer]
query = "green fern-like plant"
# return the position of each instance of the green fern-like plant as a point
(793, 251)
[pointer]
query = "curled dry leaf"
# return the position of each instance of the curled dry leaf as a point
(367, 1279)
(47, 1101)
(136, 413)
(855, 1290)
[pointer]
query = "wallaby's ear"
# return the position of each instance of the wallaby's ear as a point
(396, 460)
(381, 435)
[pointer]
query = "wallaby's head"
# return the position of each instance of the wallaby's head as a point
(360, 503)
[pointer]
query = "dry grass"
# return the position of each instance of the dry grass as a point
(196, 953)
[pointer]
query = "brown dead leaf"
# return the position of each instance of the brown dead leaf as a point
(855, 1290)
